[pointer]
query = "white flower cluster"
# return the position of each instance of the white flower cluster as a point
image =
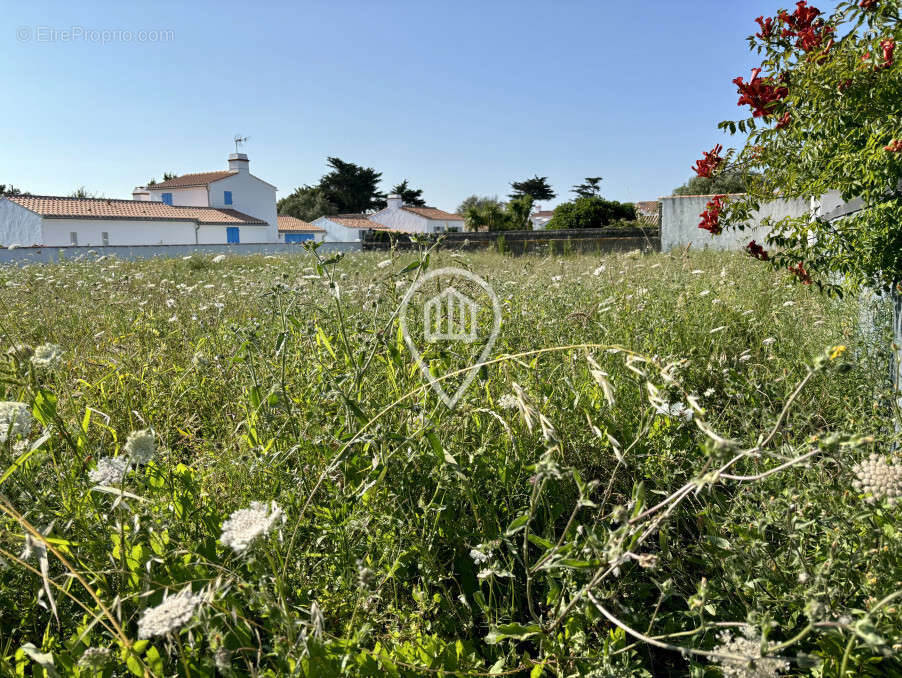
(245, 525)
(754, 665)
(47, 356)
(95, 658)
(878, 479)
(15, 419)
(172, 613)
(109, 470)
(140, 447)
(675, 411)
(20, 352)
(508, 402)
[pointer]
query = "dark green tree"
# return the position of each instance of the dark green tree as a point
(495, 216)
(537, 187)
(82, 192)
(306, 203)
(590, 188)
(166, 177)
(478, 201)
(725, 182)
(10, 191)
(352, 188)
(590, 212)
(408, 195)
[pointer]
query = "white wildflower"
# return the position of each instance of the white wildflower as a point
(755, 665)
(697, 271)
(492, 572)
(675, 410)
(704, 293)
(557, 278)
(598, 271)
(508, 402)
(20, 352)
(109, 471)
(480, 557)
(172, 613)
(718, 329)
(140, 447)
(384, 264)
(47, 356)
(95, 658)
(244, 525)
(15, 419)
(768, 341)
(878, 479)
(219, 258)
(708, 393)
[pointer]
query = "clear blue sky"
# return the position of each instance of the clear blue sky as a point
(459, 97)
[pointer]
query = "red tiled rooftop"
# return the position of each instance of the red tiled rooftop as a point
(112, 208)
(290, 224)
(196, 179)
(433, 213)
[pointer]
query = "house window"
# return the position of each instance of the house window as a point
(298, 237)
(453, 229)
(167, 198)
(73, 238)
(105, 238)
(232, 236)
(227, 197)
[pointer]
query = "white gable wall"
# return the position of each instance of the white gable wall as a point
(18, 226)
(56, 232)
(195, 196)
(411, 222)
(336, 232)
(251, 196)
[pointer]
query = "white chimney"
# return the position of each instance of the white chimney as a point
(140, 193)
(394, 201)
(239, 162)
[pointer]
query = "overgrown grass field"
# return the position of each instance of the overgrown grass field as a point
(234, 467)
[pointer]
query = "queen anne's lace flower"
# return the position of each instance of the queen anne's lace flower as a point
(140, 447)
(245, 525)
(172, 613)
(109, 471)
(675, 411)
(95, 658)
(878, 479)
(747, 645)
(47, 356)
(15, 419)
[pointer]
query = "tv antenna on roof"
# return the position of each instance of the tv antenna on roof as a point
(239, 141)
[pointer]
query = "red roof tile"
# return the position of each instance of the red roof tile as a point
(196, 179)
(433, 213)
(56, 207)
(288, 223)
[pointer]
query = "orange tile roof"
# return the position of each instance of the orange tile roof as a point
(352, 220)
(433, 213)
(288, 223)
(196, 179)
(110, 208)
(543, 213)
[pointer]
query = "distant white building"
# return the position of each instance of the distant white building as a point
(540, 219)
(231, 206)
(409, 219)
(347, 227)
(235, 188)
(292, 229)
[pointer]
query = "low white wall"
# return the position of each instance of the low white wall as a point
(680, 216)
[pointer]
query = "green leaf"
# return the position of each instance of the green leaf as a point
(517, 524)
(512, 631)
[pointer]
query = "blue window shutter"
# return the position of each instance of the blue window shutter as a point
(232, 236)
(298, 237)
(227, 198)
(167, 198)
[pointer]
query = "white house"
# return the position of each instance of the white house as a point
(57, 221)
(235, 188)
(408, 219)
(231, 206)
(540, 219)
(292, 229)
(347, 227)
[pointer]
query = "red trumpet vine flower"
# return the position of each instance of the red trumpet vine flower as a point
(783, 120)
(757, 251)
(767, 27)
(867, 4)
(705, 166)
(799, 272)
(800, 20)
(888, 47)
(711, 216)
(895, 146)
(759, 93)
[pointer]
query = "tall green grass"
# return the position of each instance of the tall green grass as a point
(653, 474)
